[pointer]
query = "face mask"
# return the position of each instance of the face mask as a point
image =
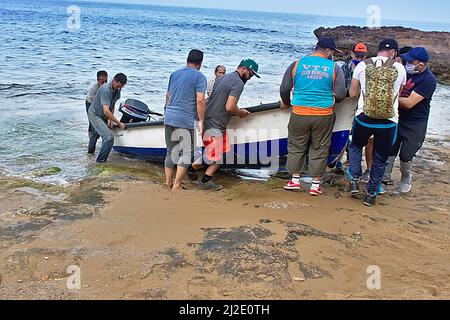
(411, 69)
(356, 62)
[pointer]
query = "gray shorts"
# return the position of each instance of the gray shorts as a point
(180, 147)
(309, 137)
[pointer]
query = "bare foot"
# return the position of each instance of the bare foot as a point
(177, 188)
(169, 186)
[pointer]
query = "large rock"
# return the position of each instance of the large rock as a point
(437, 43)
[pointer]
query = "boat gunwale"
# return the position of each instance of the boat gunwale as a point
(254, 109)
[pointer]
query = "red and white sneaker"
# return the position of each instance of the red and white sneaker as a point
(292, 186)
(316, 191)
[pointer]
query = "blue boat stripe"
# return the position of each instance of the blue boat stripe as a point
(377, 126)
(262, 148)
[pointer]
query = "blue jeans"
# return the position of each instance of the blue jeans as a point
(100, 125)
(385, 134)
(93, 135)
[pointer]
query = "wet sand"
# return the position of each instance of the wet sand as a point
(133, 239)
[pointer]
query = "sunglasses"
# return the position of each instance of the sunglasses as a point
(252, 74)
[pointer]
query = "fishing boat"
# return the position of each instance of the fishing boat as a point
(260, 140)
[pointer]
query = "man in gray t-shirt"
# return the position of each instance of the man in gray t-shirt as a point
(101, 114)
(220, 107)
(102, 78)
(217, 116)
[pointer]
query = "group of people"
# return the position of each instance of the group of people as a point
(392, 93)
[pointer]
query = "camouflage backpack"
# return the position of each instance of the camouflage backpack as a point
(379, 96)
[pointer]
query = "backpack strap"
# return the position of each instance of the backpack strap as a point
(389, 63)
(370, 62)
(367, 62)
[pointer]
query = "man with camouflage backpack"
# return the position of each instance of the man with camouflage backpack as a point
(380, 81)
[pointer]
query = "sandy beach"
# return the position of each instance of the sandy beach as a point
(74, 230)
(133, 239)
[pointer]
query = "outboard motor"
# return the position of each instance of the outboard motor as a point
(134, 111)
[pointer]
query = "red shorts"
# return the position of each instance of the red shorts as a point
(216, 147)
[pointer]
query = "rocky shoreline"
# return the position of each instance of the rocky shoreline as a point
(438, 43)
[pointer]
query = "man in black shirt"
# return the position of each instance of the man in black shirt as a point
(414, 113)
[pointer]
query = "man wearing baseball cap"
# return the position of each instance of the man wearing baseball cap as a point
(359, 53)
(377, 82)
(318, 82)
(220, 107)
(414, 113)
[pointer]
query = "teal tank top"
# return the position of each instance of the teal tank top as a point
(313, 83)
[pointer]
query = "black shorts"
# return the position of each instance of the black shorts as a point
(411, 137)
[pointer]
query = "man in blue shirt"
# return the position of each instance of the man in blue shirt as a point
(185, 104)
(414, 114)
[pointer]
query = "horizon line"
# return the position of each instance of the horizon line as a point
(258, 11)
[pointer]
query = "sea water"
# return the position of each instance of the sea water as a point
(47, 65)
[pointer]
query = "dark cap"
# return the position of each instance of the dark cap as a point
(417, 54)
(405, 50)
(329, 43)
(388, 44)
(252, 65)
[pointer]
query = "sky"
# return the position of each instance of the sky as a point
(409, 10)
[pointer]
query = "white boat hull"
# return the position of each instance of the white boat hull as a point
(256, 141)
